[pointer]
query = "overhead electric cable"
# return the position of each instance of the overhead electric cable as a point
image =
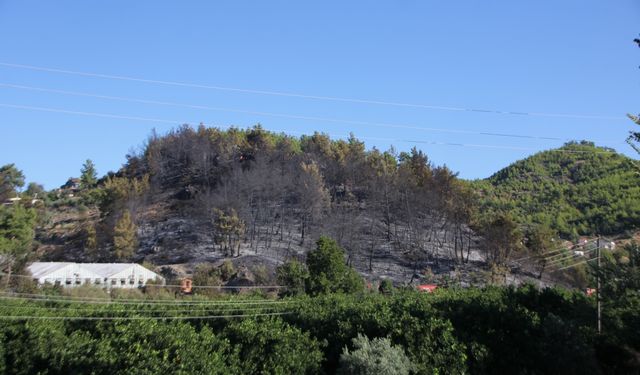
(576, 264)
(282, 115)
(179, 286)
(569, 257)
(175, 122)
(138, 310)
(302, 96)
(179, 317)
(40, 298)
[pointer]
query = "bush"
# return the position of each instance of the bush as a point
(262, 275)
(386, 286)
(375, 356)
(328, 272)
(227, 270)
(272, 346)
(206, 274)
(293, 275)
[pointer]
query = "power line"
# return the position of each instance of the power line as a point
(302, 96)
(183, 317)
(138, 310)
(41, 298)
(576, 264)
(565, 257)
(541, 255)
(94, 114)
(174, 122)
(282, 115)
(222, 286)
(177, 286)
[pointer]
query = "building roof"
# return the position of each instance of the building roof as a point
(109, 269)
(39, 269)
(104, 270)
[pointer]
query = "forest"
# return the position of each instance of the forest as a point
(577, 190)
(197, 194)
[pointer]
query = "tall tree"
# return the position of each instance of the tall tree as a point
(89, 175)
(229, 231)
(634, 137)
(540, 240)
(502, 237)
(11, 179)
(328, 271)
(312, 196)
(35, 190)
(17, 229)
(125, 240)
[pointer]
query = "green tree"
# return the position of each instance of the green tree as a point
(35, 190)
(271, 346)
(89, 175)
(293, 275)
(11, 179)
(229, 231)
(375, 356)
(91, 239)
(125, 240)
(501, 238)
(17, 230)
(328, 272)
(540, 240)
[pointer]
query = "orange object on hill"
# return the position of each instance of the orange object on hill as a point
(429, 288)
(186, 286)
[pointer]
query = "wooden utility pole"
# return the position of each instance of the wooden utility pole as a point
(598, 290)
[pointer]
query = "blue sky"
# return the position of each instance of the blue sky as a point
(568, 57)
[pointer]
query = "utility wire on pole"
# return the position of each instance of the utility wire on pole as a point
(598, 258)
(598, 291)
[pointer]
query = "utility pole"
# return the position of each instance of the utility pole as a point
(598, 290)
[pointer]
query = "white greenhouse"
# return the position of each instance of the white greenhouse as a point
(109, 275)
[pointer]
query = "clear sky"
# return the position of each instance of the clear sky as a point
(561, 57)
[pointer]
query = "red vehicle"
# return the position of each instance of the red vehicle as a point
(428, 288)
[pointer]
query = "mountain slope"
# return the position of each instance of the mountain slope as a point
(578, 189)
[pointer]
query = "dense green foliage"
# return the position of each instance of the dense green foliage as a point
(11, 179)
(88, 174)
(17, 225)
(377, 356)
(578, 189)
(328, 272)
(294, 275)
(479, 331)
(324, 272)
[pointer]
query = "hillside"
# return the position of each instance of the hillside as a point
(205, 194)
(578, 189)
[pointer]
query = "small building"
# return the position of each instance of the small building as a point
(107, 275)
(12, 201)
(72, 184)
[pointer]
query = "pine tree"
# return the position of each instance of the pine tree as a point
(91, 240)
(89, 174)
(17, 230)
(125, 241)
(229, 231)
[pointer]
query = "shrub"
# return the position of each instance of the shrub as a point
(293, 275)
(328, 272)
(375, 356)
